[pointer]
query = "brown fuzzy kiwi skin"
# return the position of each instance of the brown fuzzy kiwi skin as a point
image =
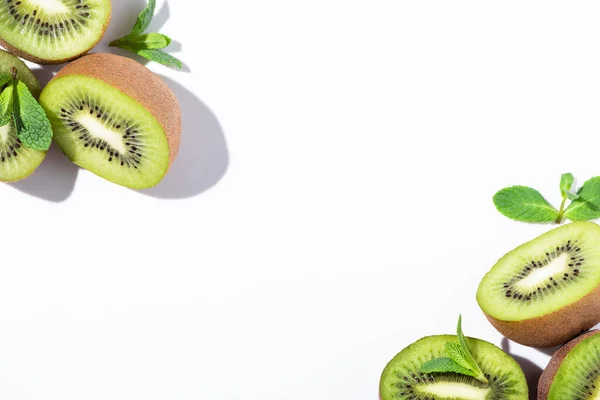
(137, 82)
(29, 57)
(549, 373)
(556, 328)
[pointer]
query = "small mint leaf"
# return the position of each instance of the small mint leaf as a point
(33, 126)
(571, 196)
(444, 365)
(587, 206)
(160, 57)
(143, 21)
(566, 183)
(467, 353)
(522, 203)
(145, 41)
(6, 105)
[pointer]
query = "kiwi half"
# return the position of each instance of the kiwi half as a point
(546, 291)
(17, 161)
(115, 118)
(52, 31)
(401, 379)
(574, 371)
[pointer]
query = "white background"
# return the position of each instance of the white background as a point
(330, 205)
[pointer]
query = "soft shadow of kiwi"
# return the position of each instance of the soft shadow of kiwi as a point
(54, 180)
(531, 370)
(203, 157)
(46, 72)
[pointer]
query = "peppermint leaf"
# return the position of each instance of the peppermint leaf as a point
(566, 183)
(160, 57)
(6, 105)
(523, 203)
(587, 205)
(467, 353)
(444, 364)
(144, 19)
(145, 41)
(31, 122)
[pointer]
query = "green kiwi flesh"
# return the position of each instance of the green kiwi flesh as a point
(53, 31)
(105, 131)
(16, 161)
(578, 377)
(544, 275)
(401, 379)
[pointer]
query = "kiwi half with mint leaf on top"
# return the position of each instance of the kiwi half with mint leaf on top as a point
(52, 31)
(402, 379)
(546, 291)
(573, 371)
(115, 118)
(16, 160)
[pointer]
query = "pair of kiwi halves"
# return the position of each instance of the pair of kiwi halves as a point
(52, 31)
(109, 114)
(401, 379)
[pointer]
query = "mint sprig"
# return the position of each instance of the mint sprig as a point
(18, 105)
(525, 204)
(147, 45)
(459, 359)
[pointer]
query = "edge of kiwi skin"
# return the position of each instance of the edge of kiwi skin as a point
(556, 328)
(30, 57)
(138, 82)
(547, 377)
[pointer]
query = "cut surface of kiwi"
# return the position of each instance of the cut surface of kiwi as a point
(52, 31)
(401, 379)
(574, 371)
(115, 118)
(17, 161)
(543, 275)
(547, 290)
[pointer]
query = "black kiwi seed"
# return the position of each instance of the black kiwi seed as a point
(553, 283)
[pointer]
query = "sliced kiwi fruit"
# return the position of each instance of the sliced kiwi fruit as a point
(115, 118)
(546, 291)
(401, 379)
(573, 373)
(17, 161)
(52, 31)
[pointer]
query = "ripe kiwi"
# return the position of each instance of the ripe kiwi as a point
(115, 118)
(52, 31)
(16, 161)
(573, 372)
(401, 379)
(546, 291)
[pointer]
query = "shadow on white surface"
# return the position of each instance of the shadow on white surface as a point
(531, 370)
(54, 180)
(203, 157)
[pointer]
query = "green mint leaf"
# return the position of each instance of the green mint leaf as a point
(143, 21)
(466, 353)
(145, 41)
(587, 205)
(33, 126)
(160, 57)
(525, 204)
(571, 196)
(444, 364)
(6, 105)
(566, 183)
(456, 352)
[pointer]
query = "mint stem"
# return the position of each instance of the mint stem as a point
(14, 73)
(561, 212)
